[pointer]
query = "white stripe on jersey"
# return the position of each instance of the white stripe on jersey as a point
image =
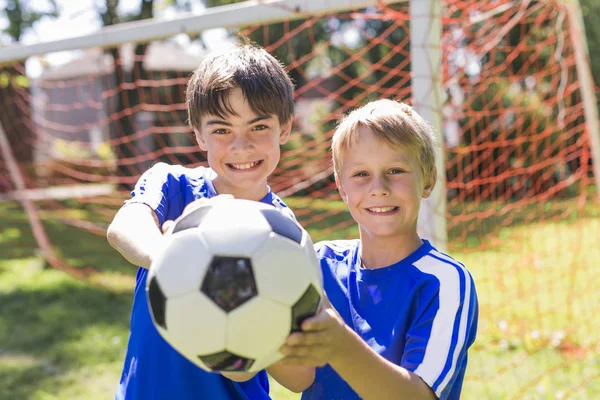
(437, 351)
(464, 317)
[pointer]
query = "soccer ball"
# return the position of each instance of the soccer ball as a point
(235, 279)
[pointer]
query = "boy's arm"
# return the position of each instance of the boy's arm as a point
(374, 377)
(134, 232)
(294, 378)
(327, 339)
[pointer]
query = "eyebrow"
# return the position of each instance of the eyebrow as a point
(361, 163)
(223, 122)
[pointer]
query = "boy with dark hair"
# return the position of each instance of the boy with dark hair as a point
(240, 105)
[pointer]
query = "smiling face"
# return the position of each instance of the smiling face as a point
(242, 147)
(383, 186)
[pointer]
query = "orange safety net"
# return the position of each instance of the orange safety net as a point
(521, 209)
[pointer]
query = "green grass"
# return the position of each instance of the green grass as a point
(539, 338)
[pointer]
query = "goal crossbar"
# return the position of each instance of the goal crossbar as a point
(227, 16)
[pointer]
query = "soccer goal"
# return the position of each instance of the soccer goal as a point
(505, 84)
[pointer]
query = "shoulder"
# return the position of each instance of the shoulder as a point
(164, 171)
(180, 171)
(444, 276)
(434, 262)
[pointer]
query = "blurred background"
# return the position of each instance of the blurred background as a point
(92, 95)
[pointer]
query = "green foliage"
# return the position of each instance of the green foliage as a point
(591, 19)
(23, 15)
(7, 79)
(322, 39)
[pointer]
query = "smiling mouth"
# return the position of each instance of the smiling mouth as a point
(244, 166)
(382, 210)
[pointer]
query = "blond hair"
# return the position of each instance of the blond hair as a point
(392, 122)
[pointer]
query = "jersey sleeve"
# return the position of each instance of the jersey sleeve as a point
(154, 188)
(443, 328)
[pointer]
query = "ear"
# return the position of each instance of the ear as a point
(200, 139)
(343, 194)
(286, 129)
(430, 184)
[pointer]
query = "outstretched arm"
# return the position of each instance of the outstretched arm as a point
(134, 232)
(295, 378)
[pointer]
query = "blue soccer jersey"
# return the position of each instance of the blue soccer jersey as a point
(420, 313)
(153, 370)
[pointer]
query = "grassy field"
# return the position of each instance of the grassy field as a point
(539, 292)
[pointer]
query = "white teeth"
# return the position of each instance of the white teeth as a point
(244, 166)
(382, 209)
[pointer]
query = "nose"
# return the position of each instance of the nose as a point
(379, 186)
(241, 143)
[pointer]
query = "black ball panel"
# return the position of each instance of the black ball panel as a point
(283, 225)
(229, 282)
(226, 361)
(305, 307)
(158, 303)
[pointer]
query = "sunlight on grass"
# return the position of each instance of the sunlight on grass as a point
(537, 284)
(538, 335)
(59, 338)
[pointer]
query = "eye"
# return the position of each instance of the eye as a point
(395, 171)
(260, 127)
(361, 174)
(220, 131)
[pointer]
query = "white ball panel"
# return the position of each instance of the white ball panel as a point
(266, 361)
(282, 270)
(258, 328)
(196, 326)
(181, 266)
(241, 226)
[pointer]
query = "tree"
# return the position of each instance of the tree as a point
(14, 92)
(331, 30)
(591, 20)
(128, 97)
(22, 16)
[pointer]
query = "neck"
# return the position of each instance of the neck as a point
(378, 252)
(255, 194)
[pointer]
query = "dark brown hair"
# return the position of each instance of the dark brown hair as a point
(262, 79)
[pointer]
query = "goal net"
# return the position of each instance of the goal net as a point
(519, 199)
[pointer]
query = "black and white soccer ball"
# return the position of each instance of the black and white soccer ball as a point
(236, 278)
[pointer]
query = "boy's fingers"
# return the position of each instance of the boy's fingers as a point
(308, 338)
(203, 201)
(168, 226)
(220, 197)
(326, 302)
(320, 321)
(194, 205)
(314, 351)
